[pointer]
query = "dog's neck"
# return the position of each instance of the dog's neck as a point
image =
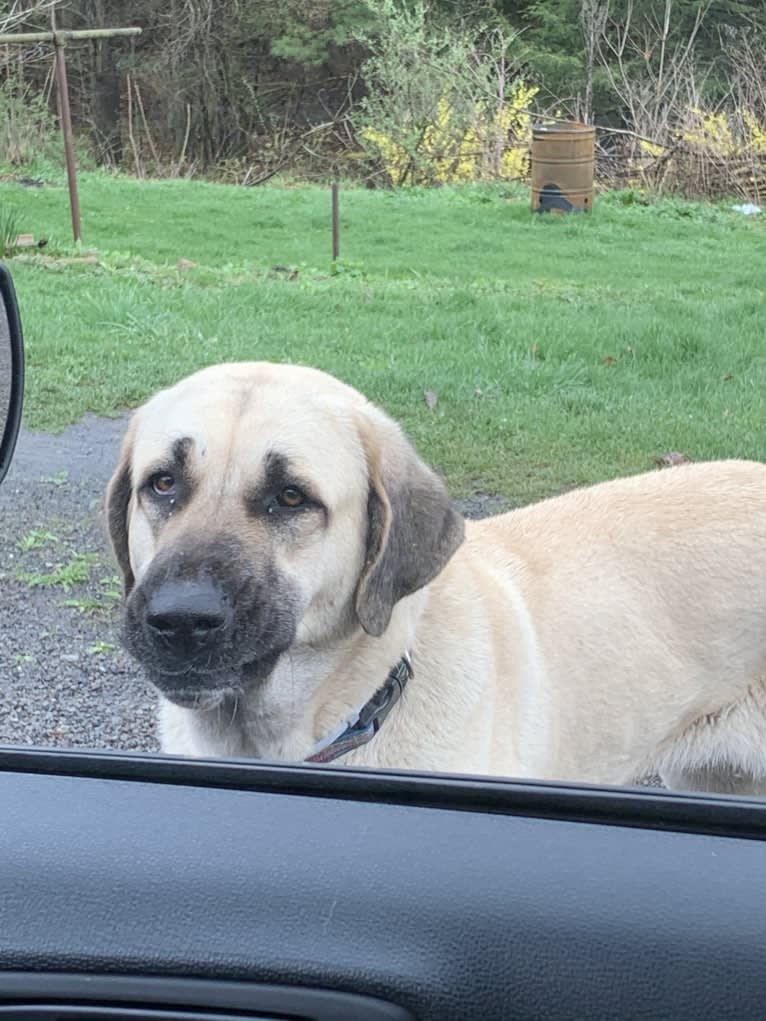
(311, 693)
(360, 728)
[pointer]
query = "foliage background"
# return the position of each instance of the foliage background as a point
(389, 91)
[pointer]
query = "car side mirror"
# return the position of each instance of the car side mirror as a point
(11, 370)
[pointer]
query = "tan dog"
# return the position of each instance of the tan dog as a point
(283, 548)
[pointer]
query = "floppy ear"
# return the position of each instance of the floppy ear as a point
(412, 531)
(118, 495)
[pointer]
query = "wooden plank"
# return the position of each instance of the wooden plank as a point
(67, 35)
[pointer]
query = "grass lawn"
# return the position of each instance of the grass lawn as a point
(563, 350)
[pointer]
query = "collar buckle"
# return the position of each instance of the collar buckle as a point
(370, 717)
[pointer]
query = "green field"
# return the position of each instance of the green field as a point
(563, 350)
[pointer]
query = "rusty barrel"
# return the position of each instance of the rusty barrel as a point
(563, 159)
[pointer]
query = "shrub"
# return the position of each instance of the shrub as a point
(444, 102)
(28, 129)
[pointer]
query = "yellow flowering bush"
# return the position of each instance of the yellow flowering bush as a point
(720, 133)
(457, 147)
(727, 150)
(756, 132)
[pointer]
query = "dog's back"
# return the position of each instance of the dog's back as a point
(648, 600)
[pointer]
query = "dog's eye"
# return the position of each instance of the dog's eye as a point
(291, 498)
(162, 485)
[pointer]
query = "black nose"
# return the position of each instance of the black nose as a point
(186, 614)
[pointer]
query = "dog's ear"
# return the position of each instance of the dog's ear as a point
(412, 526)
(118, 496)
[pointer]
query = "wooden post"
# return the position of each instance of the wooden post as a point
(335, 222)
(59, 40)
(62, 88)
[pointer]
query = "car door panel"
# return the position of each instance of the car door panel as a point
(325, 879)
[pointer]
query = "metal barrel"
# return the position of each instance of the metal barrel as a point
(563, 160)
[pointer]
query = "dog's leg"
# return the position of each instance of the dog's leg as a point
(723, 752)
(720, 779)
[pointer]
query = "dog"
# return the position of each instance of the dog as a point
(299, 586)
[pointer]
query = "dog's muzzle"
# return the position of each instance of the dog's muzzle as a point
(202, 625)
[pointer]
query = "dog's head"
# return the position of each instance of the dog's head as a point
(257, 507)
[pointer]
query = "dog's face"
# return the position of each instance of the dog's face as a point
(261, 507)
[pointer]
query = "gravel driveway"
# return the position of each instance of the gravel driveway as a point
(64, 679)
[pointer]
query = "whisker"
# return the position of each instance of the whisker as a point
(234, 709)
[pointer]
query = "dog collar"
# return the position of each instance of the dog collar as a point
(364, 725)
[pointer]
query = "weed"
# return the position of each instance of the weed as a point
(342, 267)
(100, 648)
(112, 588)
(9, 228)
(102, 603)
(38, 538)
(84, 605)
(76, 571)
(59, 479)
